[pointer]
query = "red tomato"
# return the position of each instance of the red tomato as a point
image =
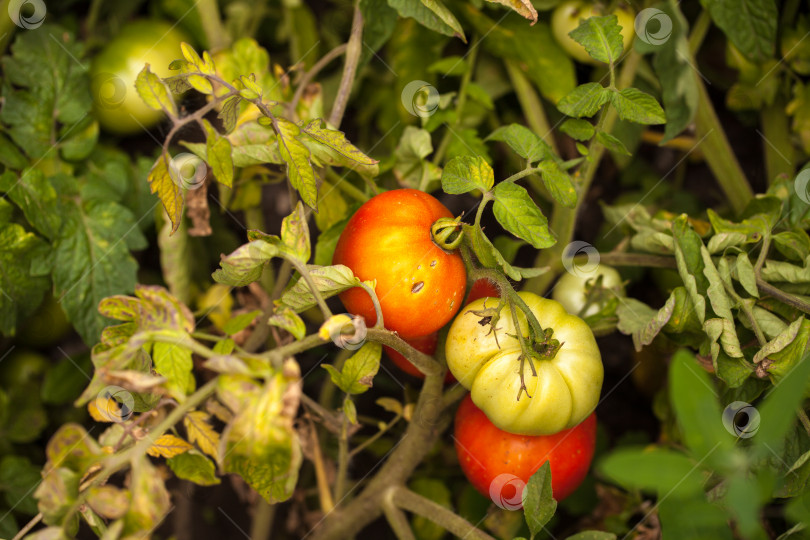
(420, 287)
(499, 464)
(483, 288)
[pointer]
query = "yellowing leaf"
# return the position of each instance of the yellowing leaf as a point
(169, 193)
(201, 433)
(297, 158)
(168, 446)
(154, 92)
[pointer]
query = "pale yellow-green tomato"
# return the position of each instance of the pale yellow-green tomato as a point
(565, 389)
(570, 290)
(568, 16)
(117, 105)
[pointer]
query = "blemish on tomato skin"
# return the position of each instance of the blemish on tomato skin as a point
(433, 263)
(417, 287)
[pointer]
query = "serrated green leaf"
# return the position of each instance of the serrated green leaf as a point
(244, 266)
(295, 233)
(297, 157)
(286, 318)
(154, 92)
(558, 183)
(612, 143)
(690, 263)
(194, 467)
(517, 213)
(20, 293)
(359, 370)
(329, 280)
(174, 362)
(467, 173)
(337, 141)
(36, 197)
(636, 106)
(601, 37)
(749, 24)
(641, 321)
(580, 130)
(431, 14)
(585, 100)
(538, 503)
(523, 142)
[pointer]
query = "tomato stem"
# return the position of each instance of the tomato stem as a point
(447, 234)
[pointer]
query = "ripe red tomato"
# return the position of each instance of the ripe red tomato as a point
(483, 288)
(419, 285)
(486, 452)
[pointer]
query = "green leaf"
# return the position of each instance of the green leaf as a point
(174, 362)
(558, 183)
(219, 154)
(776, 410)
(56, 493)
(612, 143)
(410, 167)
(260, 443)
(690, 263)
(466, 142)
(641, 321)
(696, 409)
(36, 197)
(722, 241)
(295, 233)
(244, 266)
(20, 293)
(284, 317)
(523, 142)
(18, 478)
(656, 469)
(154, 92)
(538, 503)
(580, 130)
(749, 24)
(168, 191)
(517, 213)
(636, 106)
(350, 155)
(379, 21)
(706, 521)
(431, 14)
(72, 447)
(601, 37)
(194, 467)
(486, 253)
(584, 100)
(240, 322)
(297, 157)
(329, 280)
(467, 173)
(449, 65)
(65, 380)
(150, 500)
(92, 261)
(359, 370)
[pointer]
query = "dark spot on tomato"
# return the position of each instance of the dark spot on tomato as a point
(417, 287)
(433, 263)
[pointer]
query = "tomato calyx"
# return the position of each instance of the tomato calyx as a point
(446, 233)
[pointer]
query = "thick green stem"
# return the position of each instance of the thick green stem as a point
(424, 363)
(262, 525)
(353, 50)
(563, 220)
(531, 104)
(215, 32)
(455, 524)
(779, 152)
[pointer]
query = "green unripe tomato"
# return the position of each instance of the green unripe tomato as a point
(568, 15)
(118, 107)
(571, 289)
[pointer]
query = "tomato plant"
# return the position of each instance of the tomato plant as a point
(568, 15)
(388, 240)
(118, 107)
(485, 453)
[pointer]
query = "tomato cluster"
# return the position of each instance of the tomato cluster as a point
(420, 287)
